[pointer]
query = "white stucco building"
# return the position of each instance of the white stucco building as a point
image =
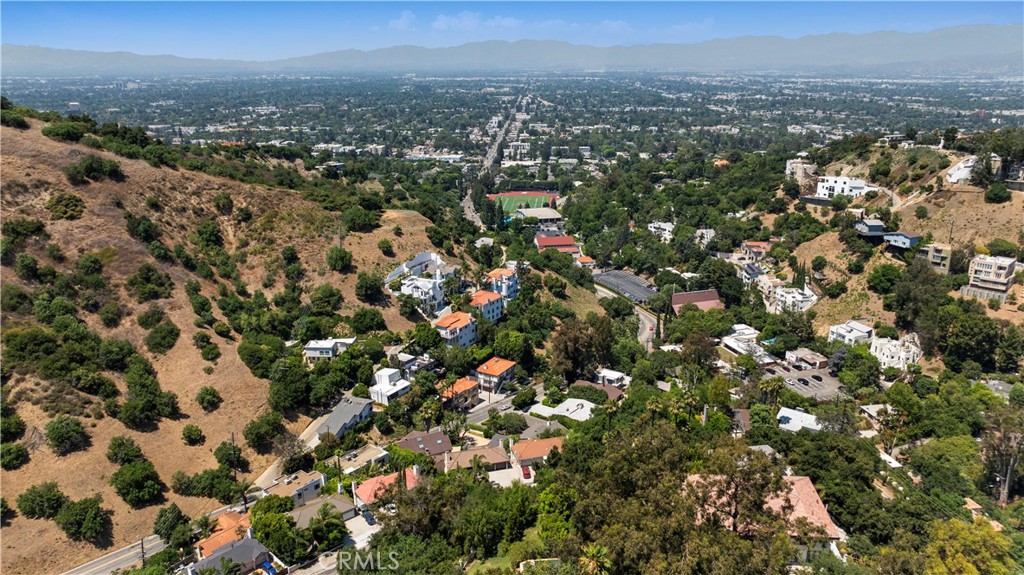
(832, 186)
(851, 333)
(897, 353)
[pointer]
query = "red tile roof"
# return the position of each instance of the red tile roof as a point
(373, 488)
(495, 366)
(554, 242)
(231, 526)
(458, 388)
(457, 320)
(529, 449)
(500, 273)
(704, 300)
(483, 297)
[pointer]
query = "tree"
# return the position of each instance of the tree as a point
(819, 263)
(594, 560)
(13, 456)
(921, 213)
(327, 527)
(162, 338)
(84, 519)
(41, 501)
(366, 319)
(123, 450)
(957, 547)
(168, 520)
(1002, 444)
(192, 434)
(338, 259)
(883, 278)
(761, 416)
(208, 398)
(1017, 395)
(369, 286)
(278, 532)
(230, 455)
(137, 483)
(998, 194)
(971, 337)
(65, 434)
(385, 247)
(525, 398)
(262, 431)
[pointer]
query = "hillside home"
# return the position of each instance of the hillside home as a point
(489, 304)
(494, 373)
(903, 240)
(937, 255)
(504, 282)
(462, 394)
(431, 444)
(491, 457)
(348, 413)
(388, 386)
(794, 420)
(870, 227)
(531, 451)
(229, 527)
(300, 487)
(370, 491)
(305, 514)
(704, 300)
(806, 357)
(249, 554)
(851, 333)
(358, 459)
(897, 353)
(457, 328)
(832, 186)
(990, 277)
(611, 377)
(662, 229)
(793, 299)
(325, 349)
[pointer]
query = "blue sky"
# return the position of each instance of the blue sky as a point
(272, 30)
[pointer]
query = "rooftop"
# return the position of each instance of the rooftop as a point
(370, 490)
(490, 455)
(536, 448)
(231, 526)
(286, 485)
(554, 241)
(457, 320)
(483, 297)
(495, 366)
(459, 387)
(540, 213)
(500, 273)
(304, 514)
(703, 299)
(429, 443)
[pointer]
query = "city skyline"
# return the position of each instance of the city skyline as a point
(274, 30)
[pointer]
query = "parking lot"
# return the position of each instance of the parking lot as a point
(628, 284)
(816, 383)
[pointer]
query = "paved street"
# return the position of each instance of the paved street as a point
(120, 559)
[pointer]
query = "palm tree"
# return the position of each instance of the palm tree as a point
(595, 560)
(770, 388)
(327, 527)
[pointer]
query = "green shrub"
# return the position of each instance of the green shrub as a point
(123, 450)
(262, 431)
(367, 319)
(338, 258)
(137, 483)
(222, 329)
(193, 435)
(15, 299)
(230, 455)
(13, 455)
(208, 398)
(65, 207)
(111, 314)
(210, 352)
(149, 283)
(998, 194)
(26, 267)
(12, 426)
(150, 318)
(84, 519)
(41, 501)
(55, 253)
(65, 434)
(93, 168)
(162, 337)
(13, 119)
(65, 131)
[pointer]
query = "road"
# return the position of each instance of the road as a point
(468, 209)
(120, 559)
(648, 321)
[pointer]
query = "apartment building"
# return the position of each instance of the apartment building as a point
(990, 277)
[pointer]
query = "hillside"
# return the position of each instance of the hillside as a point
(176, 200)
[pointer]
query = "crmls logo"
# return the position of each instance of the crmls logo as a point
(367, 561)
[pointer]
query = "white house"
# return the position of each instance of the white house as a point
(832, 186)
(300, 487)
(388, 386)
(990, 277)
(428, 292)
(897, 353)
(457, 328)
(612, 377)
(851, 333)
(504, 282)
(662, 229)
(703, 236)
(325, 349)
(793, 420)
(793, 299)
(489, 303)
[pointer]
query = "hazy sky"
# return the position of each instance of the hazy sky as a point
(272, 30)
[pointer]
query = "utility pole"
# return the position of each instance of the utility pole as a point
(142, 545)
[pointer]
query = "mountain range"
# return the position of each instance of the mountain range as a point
(974, 50)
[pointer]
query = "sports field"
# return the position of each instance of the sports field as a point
(511, 201)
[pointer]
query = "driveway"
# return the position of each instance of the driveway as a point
(360, 532)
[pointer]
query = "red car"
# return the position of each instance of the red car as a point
(526, 472)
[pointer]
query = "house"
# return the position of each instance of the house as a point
(504, 282)
(874, 410)
(614, 378)
(249, 553)
(903, 240)
(494, 373)
(793, 299)
(457, 328)
(870, 227)
(830, 187)
(461, 394)
(230, 526)
(305, 514)
(575, 409)
(804, 356)
(325, 349)
(545, 216)
(300, 487)
(662, 229)
(348, 413)
(851, 333)
(613, 393)
(755, 250)
(750, 272)
(489, 303)
(530, 451)
(428, 292)
(794, 420)
(491, 457)
(703, 299)
(368, 492)
(743, 341)
(388, 386)
(800, 503)
(703, 236)
(937, 255)
(990, 277)
(800, 168)
(424, 264)
(740, 421)
(564, 244)
(434, 443)
(585, 262)
(897, 353)
(358, 459)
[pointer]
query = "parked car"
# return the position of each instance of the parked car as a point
(804, 381)
(816, 377)
(526, 472)
(370, 520)
(784, 368)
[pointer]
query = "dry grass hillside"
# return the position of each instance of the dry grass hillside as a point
(31, 165)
